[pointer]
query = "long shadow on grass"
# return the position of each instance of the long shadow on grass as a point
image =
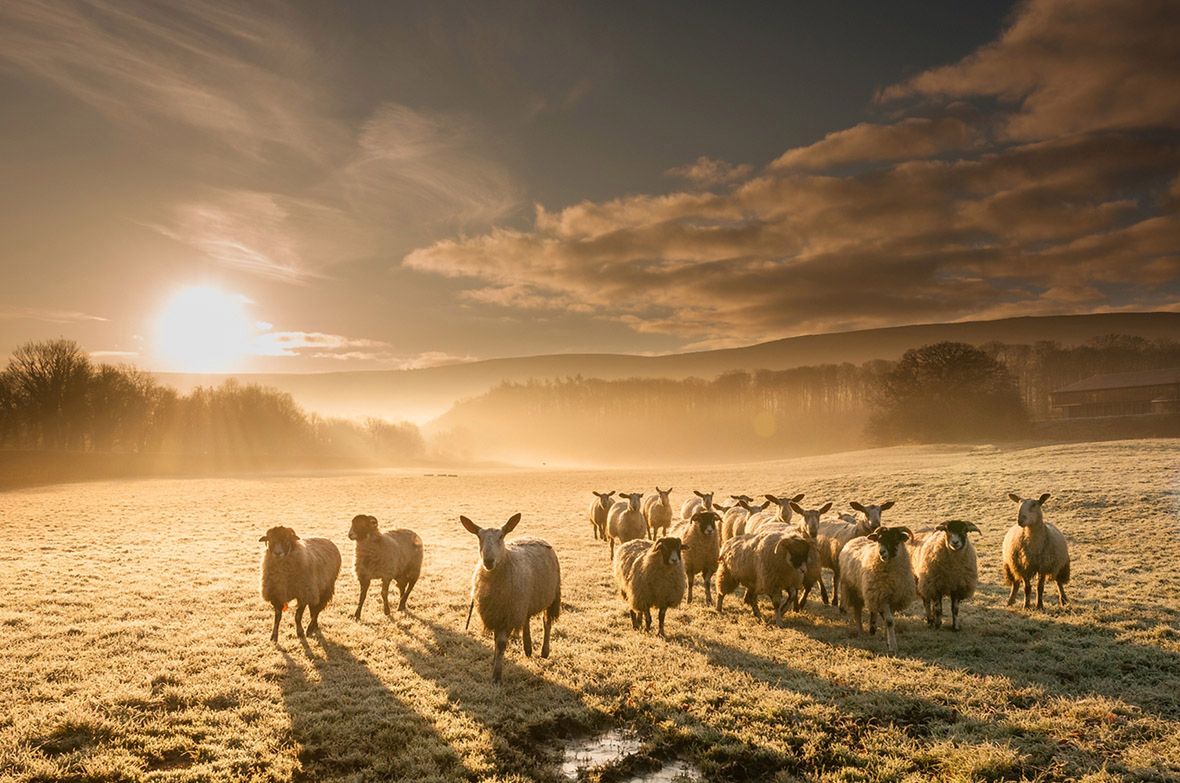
(523, 715)
(352, 726)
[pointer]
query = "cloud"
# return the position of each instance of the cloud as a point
(49, 315)
(955, 220)
(322, 344)
(706, 171)
(1070, 66)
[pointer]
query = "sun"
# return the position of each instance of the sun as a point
(204, 329)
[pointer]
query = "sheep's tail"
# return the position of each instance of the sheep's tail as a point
(554, 609)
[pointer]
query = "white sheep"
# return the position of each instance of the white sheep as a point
(650, 575)
(625, 521)
(780, 513)
(300, 570)
(512, 583)
(945, 564)
(734, 522)
(702, 502)
(767, 564)
(1033, 547)
(807, 526)
(599, 509)
(391, 556)
(702, 546)
(833, 536)
(877, 575)
(657, 511)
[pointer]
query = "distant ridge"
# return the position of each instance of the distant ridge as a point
(425, 393)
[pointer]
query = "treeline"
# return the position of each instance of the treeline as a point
(52, 397)
(939, 393)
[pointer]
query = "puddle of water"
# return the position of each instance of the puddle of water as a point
(612, 747)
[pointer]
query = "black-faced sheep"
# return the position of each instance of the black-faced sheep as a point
(599, 509)
(391, 556)
(945, 564)
(657, 511)
(767, 564)
(625, 521)
(702, 546)
(650, 575)
(877, 575)
(300, 570)
(513, 582)
(1033, 547)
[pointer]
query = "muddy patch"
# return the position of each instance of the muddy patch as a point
(612, 749)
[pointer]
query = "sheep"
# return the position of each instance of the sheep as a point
(808, 528)
(702, 545)
(392, 556)
(1033, 547)
(702, 502)
(650, 575)
(657, 511)
(599, 509)
(512, 583)
(945, 565)
(833, 536)
(304, 571)
(765, 564)
(779, 515)
(625, 521)
(736, 518)
(877, 575)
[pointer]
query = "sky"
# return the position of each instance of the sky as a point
(380, 185)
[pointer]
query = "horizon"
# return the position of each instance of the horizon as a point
(277, 190)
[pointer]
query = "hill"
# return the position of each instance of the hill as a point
(422, 394)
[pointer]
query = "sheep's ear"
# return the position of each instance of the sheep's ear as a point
(294, 535)
(941, 526)
(909, 534)
(798, 497)
(698, 494)
(471, 526)
(773, 499)
(888, 504)
(856, 507)
(1041, 500)
(612, 492)
(972, 527)
(875, 535)
(1014, 497)
(263, 538)
(668, 490)
(825, 508)
(512, 522)
(764, 506)
(796, 507)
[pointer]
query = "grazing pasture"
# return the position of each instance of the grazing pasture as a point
(134, 643)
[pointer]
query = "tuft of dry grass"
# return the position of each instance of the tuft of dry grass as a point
(135, 643)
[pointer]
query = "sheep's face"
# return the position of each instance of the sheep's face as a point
(706, 522)
(740, 499)
(664, 496)
(363, 526)
(1030, 509)
(955, 533)
(604, 499)
(280, 541)
(491, 540)
(811, 517)
(890, 541)
(668, 550)
(785, 505)
(705, 496)
(872, 512)
(794, 549)
(752, 508)
(633, 499)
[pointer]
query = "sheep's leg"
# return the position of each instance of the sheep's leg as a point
(1041, 591)
(890, 629)
(802, 600)
(498, 659)
(954, 613)
(1015, 590)
(663, 611)
(752, 602)
(857, 620)
(1027, 593)
(385, 595)
(836, 587)
(635, 619)
(647, 619)
(779, 601)
(929, 611)
(691, 578)
(361, 602)
(708, 580)
(937, 612)
(547, 622)
(1061, 599)
(823, 590)
(274, 632)
(299, 619)
(872, 622)
(314, 625)
(527, 638)
(405, 594)
(612, 549)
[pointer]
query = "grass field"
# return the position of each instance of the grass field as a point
(134, 642)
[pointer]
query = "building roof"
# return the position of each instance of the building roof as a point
(1125, 380)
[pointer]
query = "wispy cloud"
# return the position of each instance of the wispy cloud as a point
(48, 315)
(706, 171)
(1043, 202)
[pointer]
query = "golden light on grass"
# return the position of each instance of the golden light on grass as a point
(204, 329)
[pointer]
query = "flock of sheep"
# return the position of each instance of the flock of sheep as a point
(776, 549)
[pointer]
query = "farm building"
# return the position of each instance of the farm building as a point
(1119, 394)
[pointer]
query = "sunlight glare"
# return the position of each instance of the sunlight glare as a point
(204, 329)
